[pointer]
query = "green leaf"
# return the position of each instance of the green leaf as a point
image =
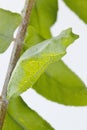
(79, 7)
(43, 16)
(32, 38)
(35, 60)
(25, 117)
(8, 23)
(10, 124)
(65, 87)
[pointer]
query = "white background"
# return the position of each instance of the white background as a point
(61, 117)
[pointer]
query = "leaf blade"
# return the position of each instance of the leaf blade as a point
(43, 16)
(8, 24)
(65, 87)
(32, 38)
(25, 116)
(9, 124)
(79, 7)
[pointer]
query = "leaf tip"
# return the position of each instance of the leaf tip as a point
(76, 36)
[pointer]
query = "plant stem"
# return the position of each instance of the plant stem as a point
(3, 108)
(18, 44)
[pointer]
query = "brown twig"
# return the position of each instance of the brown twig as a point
(3, 108)
(18, 44)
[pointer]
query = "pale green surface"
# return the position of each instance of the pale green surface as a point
(8, 23)
(43, 16)
(24, 117)
(10, 124)
(61, 85)
(32, 38)
(35, 60)
(79, 7)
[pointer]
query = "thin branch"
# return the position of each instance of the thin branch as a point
(18, 44)
(3, 108)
